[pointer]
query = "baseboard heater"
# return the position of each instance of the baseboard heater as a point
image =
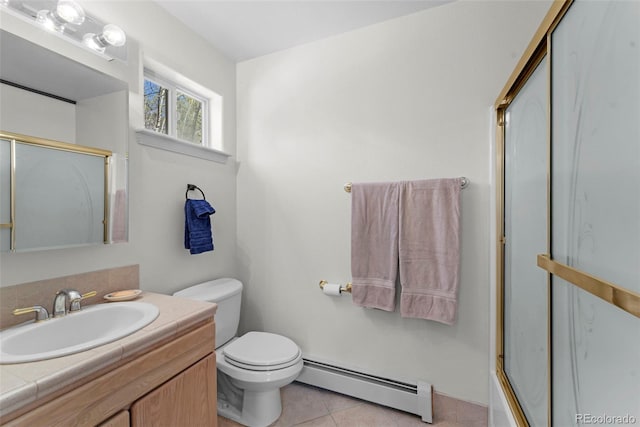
(408, 397)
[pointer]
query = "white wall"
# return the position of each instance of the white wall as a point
(28, 113)
(405, 99)
(157, 178)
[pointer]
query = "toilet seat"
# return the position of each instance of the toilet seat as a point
(262, 351)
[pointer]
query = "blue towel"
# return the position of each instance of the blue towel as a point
(197, 226)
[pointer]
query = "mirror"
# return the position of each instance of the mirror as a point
(49, 182)
(46, 96)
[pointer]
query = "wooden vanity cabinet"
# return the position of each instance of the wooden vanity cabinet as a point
(121, 419)
(173, 384)
(188, 399)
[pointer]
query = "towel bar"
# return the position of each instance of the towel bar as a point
(464, 184)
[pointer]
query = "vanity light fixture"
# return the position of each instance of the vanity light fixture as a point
(67, 19)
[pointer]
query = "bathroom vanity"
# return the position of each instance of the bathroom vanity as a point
(165, 373)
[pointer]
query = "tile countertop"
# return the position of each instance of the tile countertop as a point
(23, 383)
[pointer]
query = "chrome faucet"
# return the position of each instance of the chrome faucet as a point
(66, 298)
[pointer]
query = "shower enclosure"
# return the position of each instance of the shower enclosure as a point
(568, 132)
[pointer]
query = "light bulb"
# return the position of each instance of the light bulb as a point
(113, 35)
(70, 11)
(91, 40)
(66, 12)
(44, 18)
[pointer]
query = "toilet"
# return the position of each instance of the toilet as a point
(251, 368)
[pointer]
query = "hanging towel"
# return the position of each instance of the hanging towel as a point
(197, 226)
(374, 244)
(429, 248)
(119, 218)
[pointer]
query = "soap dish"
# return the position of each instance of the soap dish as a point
(127, 295)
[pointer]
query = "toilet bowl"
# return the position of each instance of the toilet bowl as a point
(251, 368)
(259, 378)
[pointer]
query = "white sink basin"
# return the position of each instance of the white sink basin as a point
(91, 327)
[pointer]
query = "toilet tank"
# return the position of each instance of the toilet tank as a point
(227, 293)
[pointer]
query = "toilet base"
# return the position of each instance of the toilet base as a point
(252, 398)
(257, 408)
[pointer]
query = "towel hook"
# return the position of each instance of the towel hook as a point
(193, 187)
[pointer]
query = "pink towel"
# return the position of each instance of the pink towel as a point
(119, 217)
(374, 244)
(418, 224)
(429, 249)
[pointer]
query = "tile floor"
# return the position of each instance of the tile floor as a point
(307, 406)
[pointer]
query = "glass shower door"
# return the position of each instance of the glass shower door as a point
(525, 231)
(569, 332)
(595, 195)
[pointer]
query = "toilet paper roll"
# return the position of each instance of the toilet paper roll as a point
(332, 289)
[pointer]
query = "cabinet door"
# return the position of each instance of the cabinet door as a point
(121, 419)
(188, 399)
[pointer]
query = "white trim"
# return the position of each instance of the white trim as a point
(500, 414)
(212, 120)
(164, 142)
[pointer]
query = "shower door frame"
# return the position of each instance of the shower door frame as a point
(538, 50)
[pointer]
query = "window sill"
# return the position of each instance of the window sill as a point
(164, 142)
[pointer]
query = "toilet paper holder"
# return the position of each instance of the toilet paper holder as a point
(345, 288)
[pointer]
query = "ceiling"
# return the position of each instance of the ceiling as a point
(245, 29)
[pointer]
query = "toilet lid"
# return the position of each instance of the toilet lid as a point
(262, 351)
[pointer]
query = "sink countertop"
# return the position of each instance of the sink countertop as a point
(24, 383)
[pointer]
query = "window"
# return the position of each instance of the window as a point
(174, 111)
(155, 107)
(180, 115)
